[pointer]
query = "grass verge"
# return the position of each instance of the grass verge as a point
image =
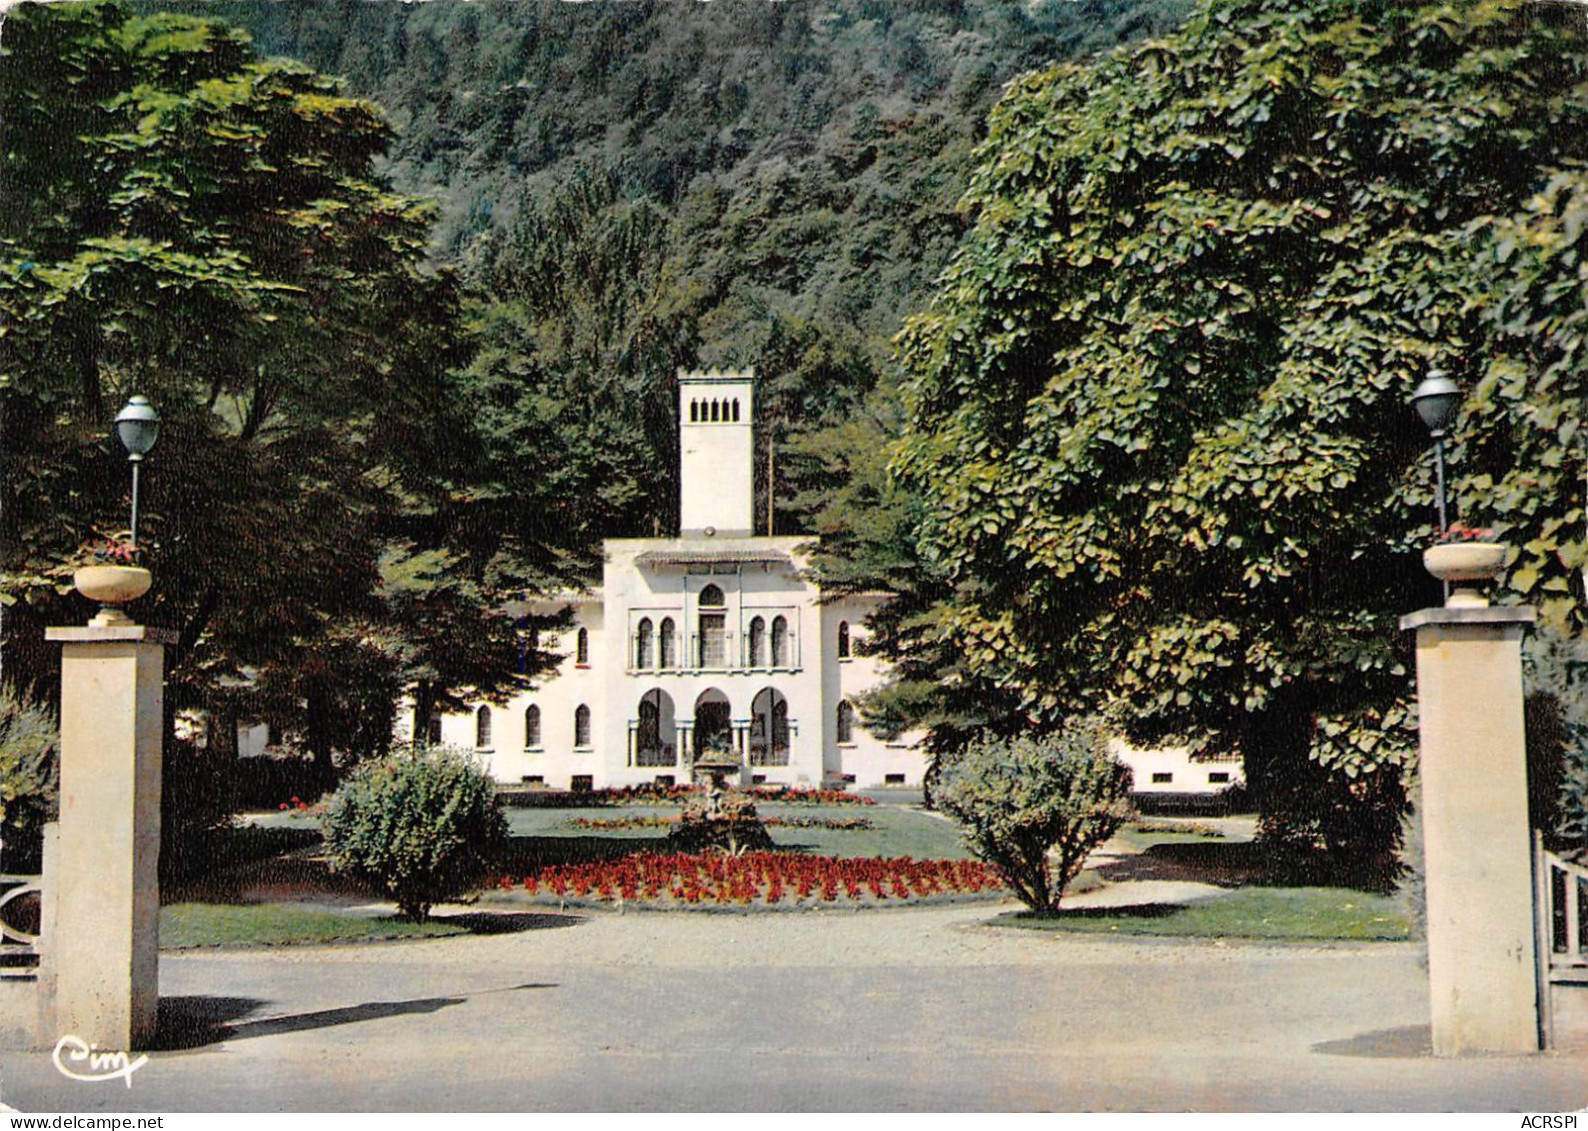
(184, 925)
(1311, 914)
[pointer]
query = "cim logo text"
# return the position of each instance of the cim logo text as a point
(76, 1059)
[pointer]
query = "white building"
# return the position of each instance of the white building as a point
(715, 641)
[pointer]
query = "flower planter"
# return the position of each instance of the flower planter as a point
(112, 585)
(1465, 561)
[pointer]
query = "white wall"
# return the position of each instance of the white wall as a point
(750, 589)
(1175, 769)
(869, 759)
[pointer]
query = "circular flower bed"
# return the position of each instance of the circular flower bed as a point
(758, 879)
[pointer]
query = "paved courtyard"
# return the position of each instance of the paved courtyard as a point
(921, 1009)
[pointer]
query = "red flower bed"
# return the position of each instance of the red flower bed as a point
(758, 877)
(677, 794)
(607, 824)
(790, 795)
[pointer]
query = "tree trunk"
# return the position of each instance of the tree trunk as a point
(317, 735)
(424, 710)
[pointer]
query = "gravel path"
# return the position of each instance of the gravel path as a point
(925, 1009)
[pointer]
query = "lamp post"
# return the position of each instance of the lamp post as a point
(138, 425)
(1436, 400)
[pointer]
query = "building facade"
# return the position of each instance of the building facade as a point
(713, 645)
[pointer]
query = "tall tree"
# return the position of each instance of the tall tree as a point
(184, 220)
(1159, 403)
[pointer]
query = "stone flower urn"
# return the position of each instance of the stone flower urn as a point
(1456, 562)
(112, 586)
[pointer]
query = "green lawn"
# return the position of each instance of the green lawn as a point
(1323, 914)
(898, 831)
(272, 924)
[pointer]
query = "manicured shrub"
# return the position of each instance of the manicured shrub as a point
(422, 822)
(30, 768)
(1021, 799)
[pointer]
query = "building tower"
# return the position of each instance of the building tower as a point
(716, 454)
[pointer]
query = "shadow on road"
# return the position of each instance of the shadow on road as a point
(195, 1022)
(508, 922)
(1407, 1041)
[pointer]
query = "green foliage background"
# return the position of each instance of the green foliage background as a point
(1158, 405)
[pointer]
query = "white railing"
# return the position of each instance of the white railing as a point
(1561, 908)
(19, 947)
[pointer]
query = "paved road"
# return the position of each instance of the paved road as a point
(922, 1009)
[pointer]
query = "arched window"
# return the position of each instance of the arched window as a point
(716, 412)
(482, 728)
(780, 642)
(581, 726)
(644, 652)
(694, 412)
(713, 629)
(769, 729)
(581, 648)
(531, 726)
(655, 732)
(846, 723)
(757, 643)
(667, 645)
(843, 640)
(736, 409)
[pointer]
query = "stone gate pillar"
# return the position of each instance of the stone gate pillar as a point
(105, 952)
(1482, 963)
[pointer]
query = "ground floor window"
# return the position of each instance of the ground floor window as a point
(846, 724)
(656, 733)
(769, 729)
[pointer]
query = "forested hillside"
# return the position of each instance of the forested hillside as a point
(631, 187)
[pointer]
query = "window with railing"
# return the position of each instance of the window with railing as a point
(712, 643)
(757, 644)
(712, 646)
(769, 729)
(644, 645)
(780, 649)
(650, 747)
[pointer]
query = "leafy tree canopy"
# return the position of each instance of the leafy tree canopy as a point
(1158, 405)
(184, 220)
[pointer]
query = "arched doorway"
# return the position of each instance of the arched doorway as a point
(656, 736)
(713, 726)
(769, 731)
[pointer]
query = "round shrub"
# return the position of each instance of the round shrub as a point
(422, 822)
(1034, 807)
